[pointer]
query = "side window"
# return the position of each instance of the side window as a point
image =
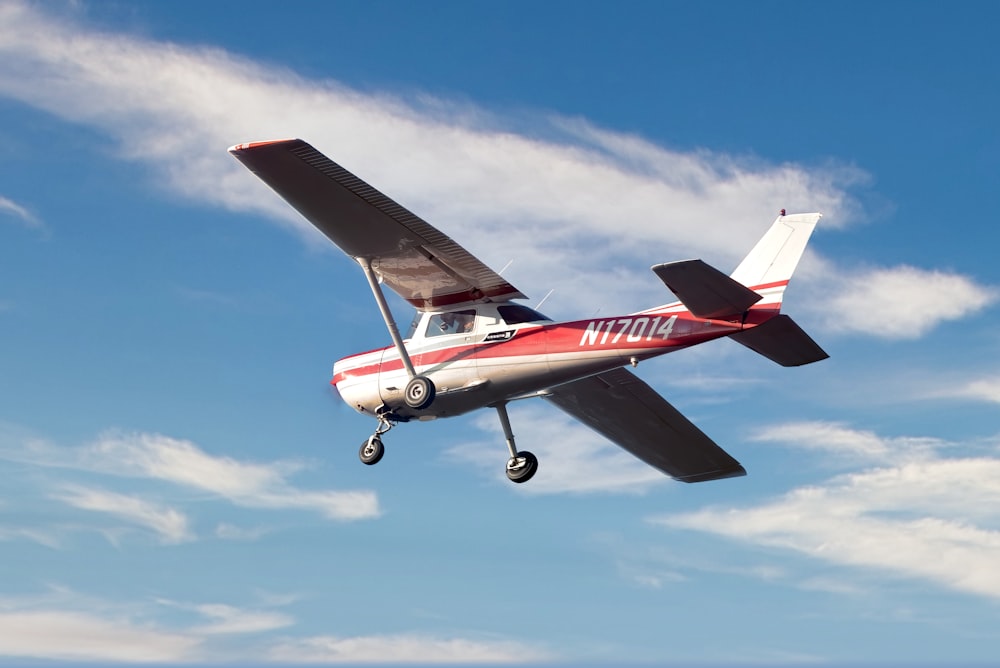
(455, 322)
(515, 314)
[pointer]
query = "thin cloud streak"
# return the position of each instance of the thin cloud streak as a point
(170, 524)
(11, 209)
(402, 648)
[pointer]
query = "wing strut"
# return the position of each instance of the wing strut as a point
(390, 322)
(419, 391)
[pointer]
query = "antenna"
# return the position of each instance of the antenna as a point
(539, 304)
(509, 262)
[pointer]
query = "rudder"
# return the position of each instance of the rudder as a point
(771, 263)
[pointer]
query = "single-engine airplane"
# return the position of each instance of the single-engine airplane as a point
(472, 346)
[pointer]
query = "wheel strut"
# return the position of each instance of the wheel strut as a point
(521, 466)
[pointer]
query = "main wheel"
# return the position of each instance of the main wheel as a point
(522, 468)
(419, 392)
(371, 450)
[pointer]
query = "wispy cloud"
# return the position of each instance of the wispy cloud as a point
(153, 456)
(170, 524)
(918, 515)
(96, 630)
(11, 209)
(403, 648)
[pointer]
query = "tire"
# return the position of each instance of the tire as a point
(525, 472)
(371, 451)
(419, 393)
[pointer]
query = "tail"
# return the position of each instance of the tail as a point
(771, 263)
(753, 292)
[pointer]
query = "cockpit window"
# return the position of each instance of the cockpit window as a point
(454, 322)
(515, 314)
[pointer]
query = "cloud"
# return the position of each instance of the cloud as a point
(11, 209)
(179, 462)
(69, 635)
(96, 630)
(403, 648)
(845, 443)
(919, 515)
(572, 458)
(902, 302)
(170, 524)
(982, 389)
(611, 204)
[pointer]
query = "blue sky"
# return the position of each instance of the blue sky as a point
(181, 484)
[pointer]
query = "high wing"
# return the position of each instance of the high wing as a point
(420, 263)
(623, 408)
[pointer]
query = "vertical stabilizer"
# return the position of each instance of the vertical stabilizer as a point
(772, 261)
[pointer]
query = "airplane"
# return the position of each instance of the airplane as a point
(472, 346)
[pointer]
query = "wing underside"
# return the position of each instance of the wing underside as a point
(627, 411)
(417, 261)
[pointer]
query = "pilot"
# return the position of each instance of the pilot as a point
(447, 322)
(458, 323)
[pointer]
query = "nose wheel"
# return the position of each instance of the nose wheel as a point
(371, 450)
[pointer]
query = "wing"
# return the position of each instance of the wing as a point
(413, 258)
(626, 410)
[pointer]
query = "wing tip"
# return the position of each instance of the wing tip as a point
(239, 148)
(736, 471)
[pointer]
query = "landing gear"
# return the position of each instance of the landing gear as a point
(371, 450)
(419, 392)
(521, 466)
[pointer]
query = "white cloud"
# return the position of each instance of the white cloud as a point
(11, 209)
(921, 516)
(252, 485)
(230, 620)
(67, 635)
(982, 389)
(611, 204)
(403, 648)
(845, 443)
(902, 302)
(170, 524)
(572, 458)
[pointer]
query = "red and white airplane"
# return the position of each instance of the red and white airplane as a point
(472, 346)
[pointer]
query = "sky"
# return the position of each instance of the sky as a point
(182, 484)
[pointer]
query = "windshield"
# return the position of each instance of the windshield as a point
(413, 325)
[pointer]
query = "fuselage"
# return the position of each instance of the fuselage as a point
(487, 353)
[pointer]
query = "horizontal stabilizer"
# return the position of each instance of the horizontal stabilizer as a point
(781, 340)
(704, 290)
